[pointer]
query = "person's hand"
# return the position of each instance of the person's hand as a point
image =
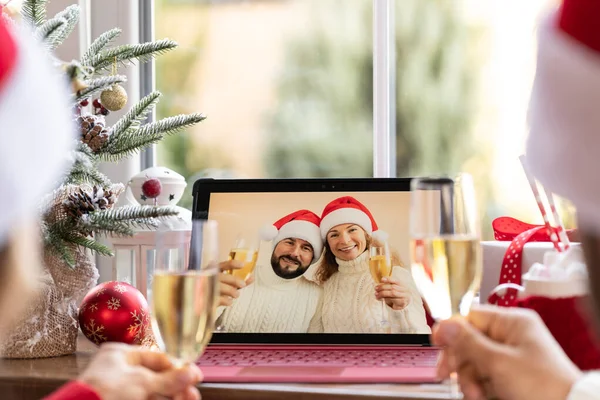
(230, 285)
(397, 297)
(120, 371)
(504, 353)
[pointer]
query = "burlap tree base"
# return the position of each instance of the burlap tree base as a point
(48, 326)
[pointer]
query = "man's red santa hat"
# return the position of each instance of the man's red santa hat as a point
(36, 131)
(301, 224)
(563, 148)
(348, 210)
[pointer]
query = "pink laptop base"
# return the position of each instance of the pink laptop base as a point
(422, 371)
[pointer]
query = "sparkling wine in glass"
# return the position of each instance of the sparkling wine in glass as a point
(246, 251)
(380, 266)
(185, 290)
(445, 246)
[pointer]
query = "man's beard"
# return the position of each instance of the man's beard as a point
(286, 273)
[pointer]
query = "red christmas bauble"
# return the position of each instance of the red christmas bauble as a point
(115, 312)
(151, 188)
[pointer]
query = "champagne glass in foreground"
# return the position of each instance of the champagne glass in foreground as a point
(185, 290)
(445, 246)
(380, 266)
(246, 251)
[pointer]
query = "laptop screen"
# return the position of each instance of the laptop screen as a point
(322, 262)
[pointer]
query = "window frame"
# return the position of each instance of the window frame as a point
(139, 17)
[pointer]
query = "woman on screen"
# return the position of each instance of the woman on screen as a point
(352, 299)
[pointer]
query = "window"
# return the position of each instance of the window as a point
(287, 86)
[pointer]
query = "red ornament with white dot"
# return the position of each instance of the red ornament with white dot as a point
(115, 312)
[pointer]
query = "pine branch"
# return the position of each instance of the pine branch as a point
(34, 11)
(90, 244)
(134, 117)
(107, 227)
(83, 148)
(64, 252)
(170, 125)
(99, 44)
(45, 231)
(125, 54)
(60, 229)
(84, 158)
(49, 28)
(133, 140)
(81, 173)
(70, 15)
(98, 85)
(131, 214)
(56, 244)
(147, 223)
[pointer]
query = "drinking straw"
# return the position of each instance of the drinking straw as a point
(538, 199)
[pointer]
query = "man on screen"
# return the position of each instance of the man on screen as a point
(279, 298)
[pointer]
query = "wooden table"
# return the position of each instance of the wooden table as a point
(33, 379)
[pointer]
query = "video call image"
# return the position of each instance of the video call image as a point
(317, 263)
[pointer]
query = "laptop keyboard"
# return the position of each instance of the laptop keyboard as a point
(329, 358)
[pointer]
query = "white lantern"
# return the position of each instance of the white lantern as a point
(133, 261)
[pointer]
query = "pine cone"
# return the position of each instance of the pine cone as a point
(93, 132)
(83, 202)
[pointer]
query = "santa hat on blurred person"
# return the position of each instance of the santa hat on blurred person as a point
(301, 224)
(36, 131)
(348, 210)
(563, 146)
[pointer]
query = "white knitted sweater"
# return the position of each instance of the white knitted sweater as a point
(349, 305)
(272, 304)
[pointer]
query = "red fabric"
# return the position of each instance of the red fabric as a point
(8, 52)
(508, 228)
(74, 390)
(300, 215)
(567, 322)
(428, 317)
(580, 19)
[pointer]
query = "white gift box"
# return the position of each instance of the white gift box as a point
(534, 252)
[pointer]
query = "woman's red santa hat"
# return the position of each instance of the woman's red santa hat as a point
(301, 224)
(348, 210)
(563, 147)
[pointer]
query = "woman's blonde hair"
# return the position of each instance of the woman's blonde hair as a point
(329, 265)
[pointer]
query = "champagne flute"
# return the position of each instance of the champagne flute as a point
(244, 250)
(380, 266)
(445, 247)
(185, 290)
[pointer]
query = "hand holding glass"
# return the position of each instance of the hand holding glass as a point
(445, 246)
(245, 251)
(380, 266)
(185, 290)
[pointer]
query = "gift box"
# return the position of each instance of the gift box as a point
(493, 257)
(526, 269)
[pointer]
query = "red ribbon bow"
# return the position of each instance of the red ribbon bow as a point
(508, 228)
(519, 233)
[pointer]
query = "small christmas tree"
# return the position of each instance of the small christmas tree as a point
(81, 208)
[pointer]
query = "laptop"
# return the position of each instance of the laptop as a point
(268, 341)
